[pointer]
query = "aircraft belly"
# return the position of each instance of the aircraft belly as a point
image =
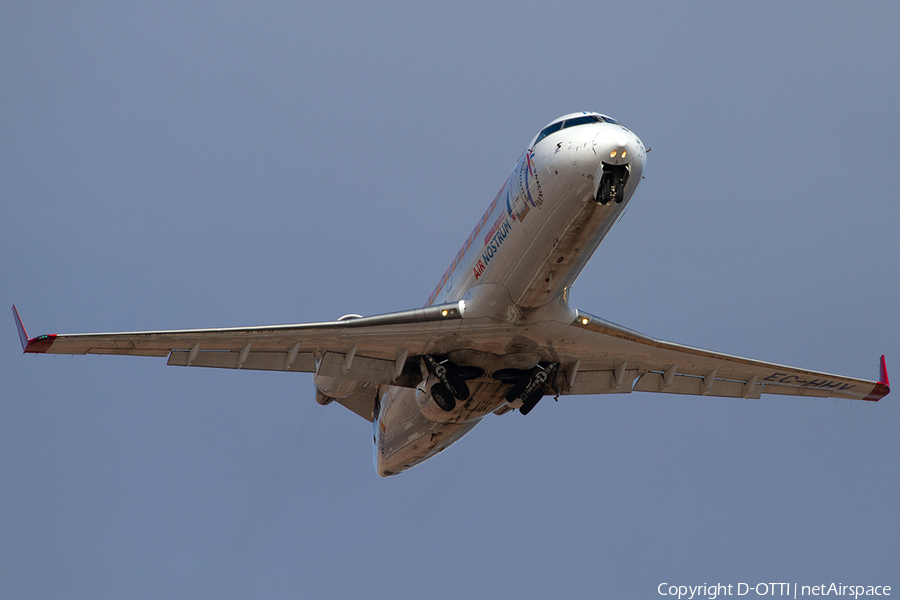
(404, 437)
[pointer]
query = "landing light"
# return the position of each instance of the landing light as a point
(624, 152)
(445, 312)
(613, 154)
(585, 320)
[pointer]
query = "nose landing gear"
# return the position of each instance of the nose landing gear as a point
(612, 184)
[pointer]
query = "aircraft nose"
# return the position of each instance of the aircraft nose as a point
(621, 164)
(620, 149)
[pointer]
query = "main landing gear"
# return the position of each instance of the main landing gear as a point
(612, 184)
(450, 386)
(529, 390)
(527, 386)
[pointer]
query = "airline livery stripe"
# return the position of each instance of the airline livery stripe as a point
(466, 246)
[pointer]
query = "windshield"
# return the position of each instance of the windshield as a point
(548, 130)
(585, 120)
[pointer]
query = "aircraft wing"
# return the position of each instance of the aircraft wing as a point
(607, 358)
(595, 355)
(372, 349)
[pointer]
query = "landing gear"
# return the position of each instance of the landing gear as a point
(612, 184)
(529, 390)
(450, 387)
(443, 397)
(531, 401)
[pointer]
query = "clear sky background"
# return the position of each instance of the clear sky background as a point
(176, 165)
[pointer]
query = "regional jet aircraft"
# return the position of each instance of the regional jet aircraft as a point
(497, 333)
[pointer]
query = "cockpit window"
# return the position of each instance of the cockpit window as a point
(581, 121)
(551, 129)
(585, 120)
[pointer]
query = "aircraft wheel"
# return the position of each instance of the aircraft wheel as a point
(457, 385)
(516, 390)
(443, 397)
(531, 401)
(468, 372)
(603, 193)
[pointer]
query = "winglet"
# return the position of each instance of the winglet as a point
(23, 337)
(39, 344)
(883, 387)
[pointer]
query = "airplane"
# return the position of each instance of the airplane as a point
(497, 334)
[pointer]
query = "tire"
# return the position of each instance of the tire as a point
(442, 397)
(603, 193)
(531, 401)
(469, 372)
(517, 389)
(457, 386)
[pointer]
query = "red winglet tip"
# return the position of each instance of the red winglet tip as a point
(883, 387)
(39, 344)
(23, 337)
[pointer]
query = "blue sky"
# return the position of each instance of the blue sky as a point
(215, 164)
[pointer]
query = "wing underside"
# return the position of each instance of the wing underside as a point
(593, 356)
(607, 358)
(372, 349)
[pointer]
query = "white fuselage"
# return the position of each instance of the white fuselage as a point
(516, 267)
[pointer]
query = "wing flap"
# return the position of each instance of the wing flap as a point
(602, 382)
(357, 368)
(124, 352)
(696, 386)
(304, 362)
